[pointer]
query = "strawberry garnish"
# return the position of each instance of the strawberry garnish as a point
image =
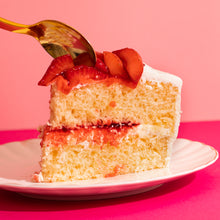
(122, 66)
(115, 65)
(83, 59)
(99, 55)
(57, 66)
(132, 62)
(79, 75)
(83, 74)
(63, 85)
(101, 66)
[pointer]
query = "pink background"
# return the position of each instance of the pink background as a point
(180, 37)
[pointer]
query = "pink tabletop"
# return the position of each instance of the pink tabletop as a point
(196, 196)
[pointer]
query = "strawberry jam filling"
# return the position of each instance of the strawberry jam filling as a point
(94, 135)
(122, 66)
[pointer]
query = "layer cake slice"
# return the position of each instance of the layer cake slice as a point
(108, 123)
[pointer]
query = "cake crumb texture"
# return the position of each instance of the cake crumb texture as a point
(68, 161)
(99, 131)
(153, 103)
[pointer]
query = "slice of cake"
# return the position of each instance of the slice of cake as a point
(118, 117)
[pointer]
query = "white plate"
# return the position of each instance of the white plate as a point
(19, 160)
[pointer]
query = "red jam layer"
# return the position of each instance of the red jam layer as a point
(94, 135)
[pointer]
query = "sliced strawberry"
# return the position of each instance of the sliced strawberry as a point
(132, 62)
(115, 65)
(99, 55)
(101, 66)
(57, 66)
(63, 85)
(82, 75)
(83, 59)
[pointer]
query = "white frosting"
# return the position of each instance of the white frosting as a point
(40, 176)
(145, 129)
(156, 76)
